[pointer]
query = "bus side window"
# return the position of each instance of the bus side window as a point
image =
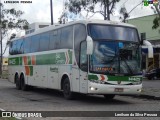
(80, 35)
(11, 48)
(35, 43)
(44, 42)
(83, 57)
(66, 38)
(21, 49)
(14, 48)
(19, 46)
(54, 41)
(27, 44)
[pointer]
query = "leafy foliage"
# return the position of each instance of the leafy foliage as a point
(156, 23)
(124, 14)
(11, 19)
(106, 7)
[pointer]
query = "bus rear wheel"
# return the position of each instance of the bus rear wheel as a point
(23, 85)
(109, 97)
(68, 94)
(18, 84)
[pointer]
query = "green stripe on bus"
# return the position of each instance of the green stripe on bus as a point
(29, 60)
(92, 77)
(45, 59)
(20, 61)
(31, 70)
(14, 61)
(115, 78)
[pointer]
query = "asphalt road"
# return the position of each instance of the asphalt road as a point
(38, 99)
(151, 84)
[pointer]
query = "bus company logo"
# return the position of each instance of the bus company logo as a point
(134, 78)
(12, 61)
(58, 56)
(54, 69)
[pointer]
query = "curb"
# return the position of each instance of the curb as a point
(150, 97)
(147, 96)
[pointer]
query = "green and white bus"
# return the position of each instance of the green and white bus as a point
(89, 56)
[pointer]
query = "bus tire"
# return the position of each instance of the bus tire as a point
(68, 94)
(17, 81)
(23, 85)
(109, 97)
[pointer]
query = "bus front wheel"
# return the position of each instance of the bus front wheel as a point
(109, 97)
(68, 94)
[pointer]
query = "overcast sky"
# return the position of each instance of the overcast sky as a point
(39, 10)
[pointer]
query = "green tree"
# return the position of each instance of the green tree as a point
(10, 19)
(156, 21)
(106, 7)
(124, 14)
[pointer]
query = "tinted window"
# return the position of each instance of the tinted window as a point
(66, 37)
(79, 36)
(27, 45)
(57, 42)
(35, 43)
(19, 48)
(44, 42)
(83, 57)
(113, 32)
(14, 47)
(54, 40)
(11, 48)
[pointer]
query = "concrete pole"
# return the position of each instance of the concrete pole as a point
(1, 60)
(51, 12)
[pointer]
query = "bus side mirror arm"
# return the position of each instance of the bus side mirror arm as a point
(150, 48)
(89, 45)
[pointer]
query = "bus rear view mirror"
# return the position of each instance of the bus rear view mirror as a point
(89, 45)
(150, 48)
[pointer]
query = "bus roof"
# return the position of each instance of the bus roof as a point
(52, 27)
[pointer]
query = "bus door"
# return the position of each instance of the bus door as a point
(83, 68)
(75, 78)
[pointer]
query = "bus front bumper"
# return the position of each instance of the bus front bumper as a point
(95, 88)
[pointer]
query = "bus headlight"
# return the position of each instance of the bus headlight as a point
(93, 88)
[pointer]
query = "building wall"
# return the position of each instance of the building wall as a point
(144, 24)
(5, 64)
(5, 61)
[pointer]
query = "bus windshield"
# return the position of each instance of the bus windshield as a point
(113, 57)
(116, 49)
(99, 31)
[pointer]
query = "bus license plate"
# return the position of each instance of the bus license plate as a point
(118, 90)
